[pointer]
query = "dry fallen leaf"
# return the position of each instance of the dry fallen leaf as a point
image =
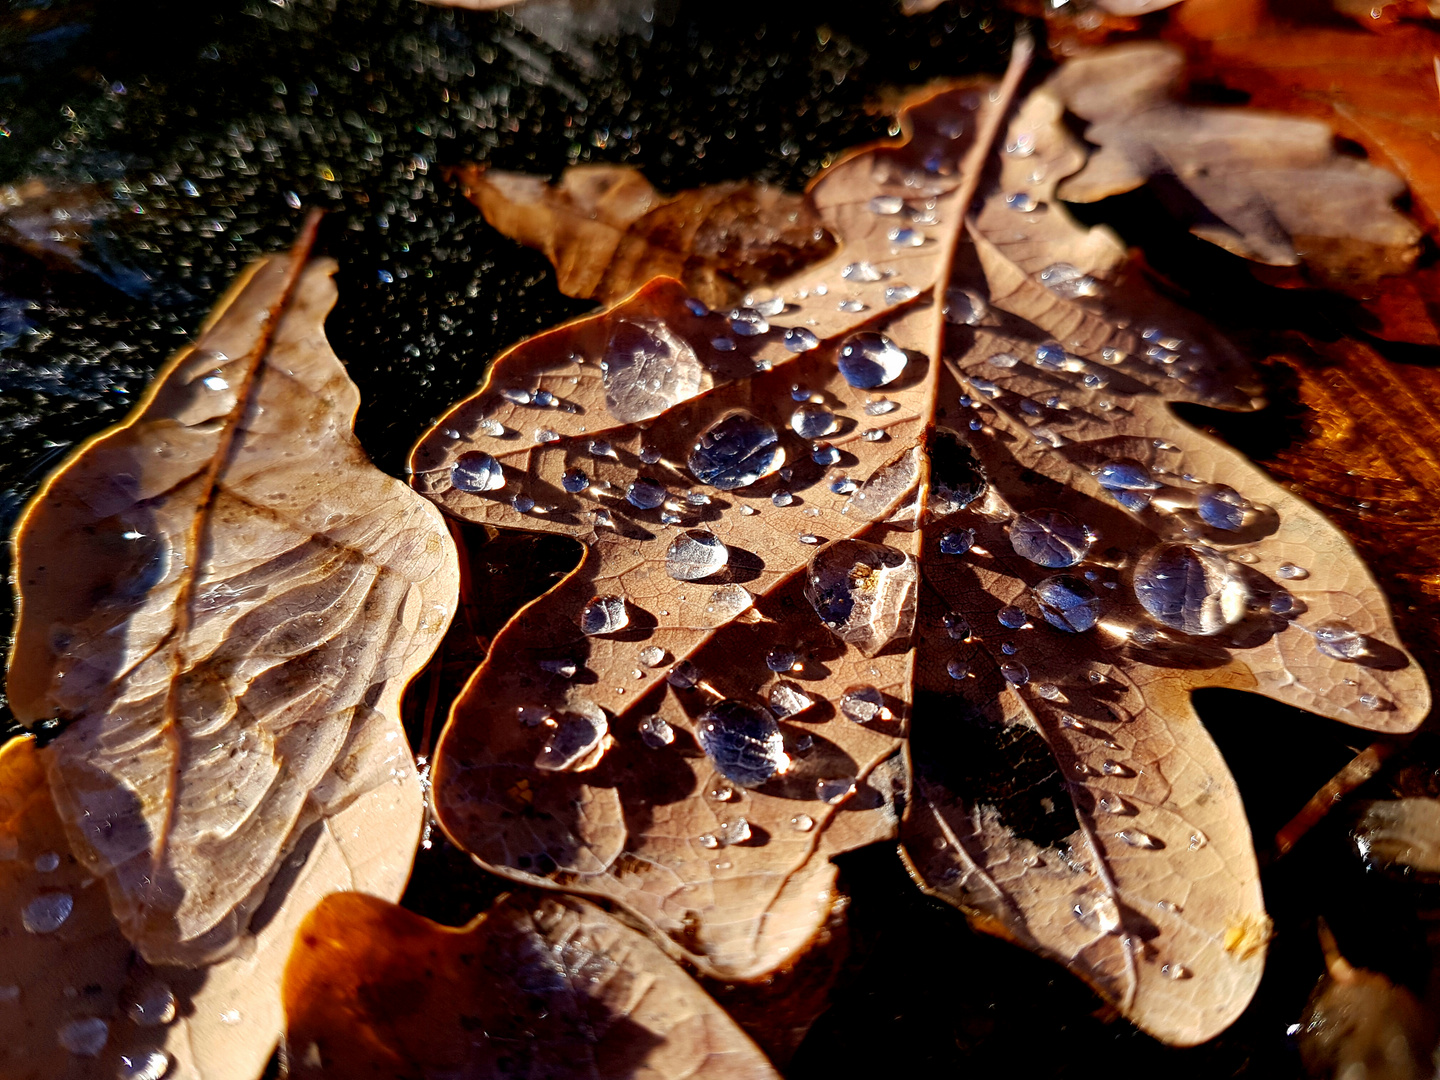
(1083, 562)
(1269, 188)
(221, 600)
(538, 986)
(608, 231)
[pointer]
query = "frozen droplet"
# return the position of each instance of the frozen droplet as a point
(695, 554)
(802, 823)
(574, 481)
(957, 669)
(813, 421)
(655, 732)
(1291, 572)
(1022, 202)
(652, 656)
(1192, 589)
(780, 658)
(835, 791)
(1065, 280)
(577, 740)
(864, 593)
(516, 395)
(1339, 640)
(47, 912)
(956, 625)
(956, 541)
(47, 862)
(886, 204)
(880, 406)
(1222, 507)
(605, 615)
(868, 360)
(735, 452)
(152, 1004)
(646, 369)
(1015, 672)
(747, 322)
(475, 472)
(787, 699)
(1012, 617)
(743, 742)
(900, 292)
(904, 236)
(1136, 838)
(862, 704)
(798, 340)
(565, 668)
(1067, 603)
(84, 1037)
(965, 307)
(861, 271)
(1050, 538)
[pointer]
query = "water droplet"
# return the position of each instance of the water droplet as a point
(475, 472)
(1015, 672)
(957, 541)
(735, 452)
(1291, 572)
(880, 406)
(851, 305)
(722, 344)
(899, 293)
(646, 369)
(956, 625)
(735, 832)
(843, 486)
(683, 675)
(956, 478)
(787, 699)
(605, 615)
(1339, 640)
(1222, 507)
(574, 741)
(1175, 971)
(215, 382)
(799, 340)
(802, 823)
(864, 593)
(1125, 475)
(523, 503)
(565, 668)
(545, 435)
(868, 360)
(574, 481)
(1099, 913)
(1067, 603)
(1138, 839)
(47, 912)
(1116, 768)
(743, 742)
(771, 307)
(643, 493)
(726, 603)
(652, 656)
(1114, 804)
(1065, 280)
(747, 322)
(861, 271)
(808, 538)
(957, 669)
(1022, 202)
(780, 658)
(47, 862)
(516, 395)
(1198, 840)
(903, 236)
(143, 1065)
(813, 421)
(708, 841)
(655, 732)
(1023, 145)
(1012, 617)
(1050, 538)
(151, 1005)
(85, 1037)
(863, 704)
(695, 554)
(835, 791)
(1074, 723)
(886, 204)
(782, 498)
(1191, 589)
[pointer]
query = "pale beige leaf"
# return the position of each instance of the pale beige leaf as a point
(557, 987)
(222, 600)
(1269, 188)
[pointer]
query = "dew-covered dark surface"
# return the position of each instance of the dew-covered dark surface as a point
(207, 129)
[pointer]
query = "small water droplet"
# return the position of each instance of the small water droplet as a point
(708, 840)
(808, 538)
(1175, 971)
(1340, 640)
(903, 236)
(474, 472)
(1222, 507)
(956, 625)
(683, 675)
(1022, 202)
(1198, 840)
(780, 658)
(652, 656)
(798, 340)
(802, 823)
(644, 493)
(604, 615)
(957, 541)
(47, 862)
(735, 832)
(812, 421)
(655, 732)
(1003, 360)
(1116, 768)
(861, 271)
(574, 740)
(1291, 572)
(1065, 280)
(771, 307)
(1012, 617)
(747, 322)
(565, 668)
(726, 603)
(782, 498)
(516, 395)
(886, 204)
(545, 435)
(143, 1065)
(899, 293)
(1191, 589)
(868, 360)
(863, 704)
(84, 1037)
(874, 435)
(850, 305)
(1015, 672)
(47, 912)
(957, 669)
(1049, 691)
(1137, 839)
(864, 593)
(152, 1004)
(574, 481)
(880, 406)
(1114, 804)
(835, 791)
(523, 503)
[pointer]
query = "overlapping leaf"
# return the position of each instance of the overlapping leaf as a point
(538, 986)
(1057, 563)
(221, 601)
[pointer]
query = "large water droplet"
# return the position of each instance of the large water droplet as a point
(743, 742)
(695, 554)
(787, 699)
(1050, 538)
(965, 306)
(475, 472)
(1068, 603)
(84, 1037)
(604, 615)
(1339, 640)
(864, 593)
(1192, 589)
(735, 452)
(646, 369)
(47, 912)
(813, 421)
(1222, 507)
(868, 360)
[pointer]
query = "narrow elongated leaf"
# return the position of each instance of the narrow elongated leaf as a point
(221, 600)
(538, 986)
(1011, 551)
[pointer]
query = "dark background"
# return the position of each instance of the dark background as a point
(205, 129)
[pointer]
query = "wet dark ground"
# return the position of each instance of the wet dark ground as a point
(206, 130)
